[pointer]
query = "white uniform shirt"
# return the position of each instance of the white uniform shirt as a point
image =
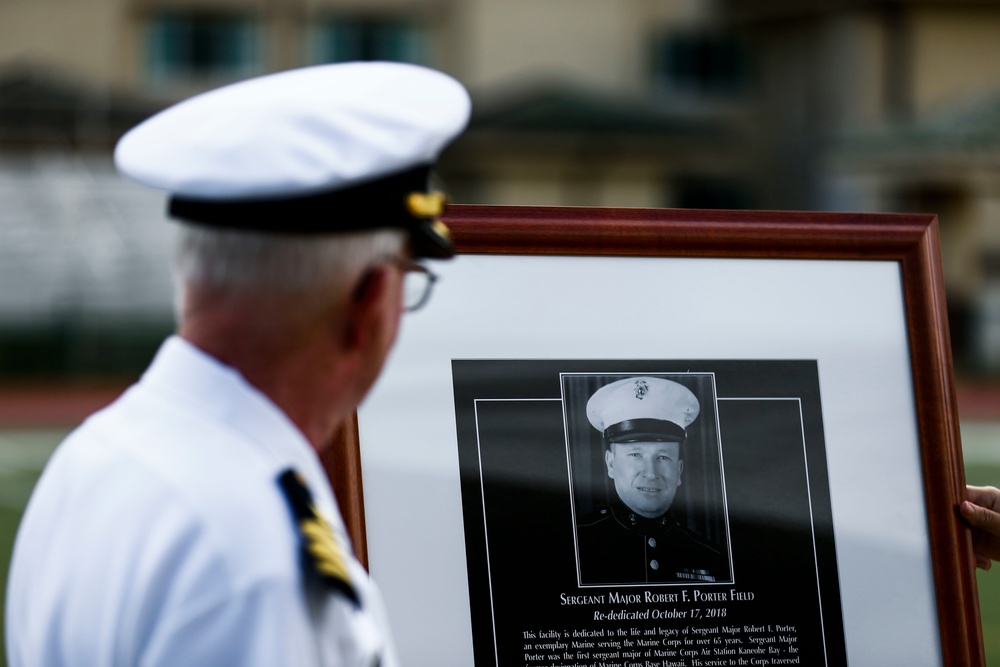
(158, 535)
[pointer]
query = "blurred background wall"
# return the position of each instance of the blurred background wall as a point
(841, 105)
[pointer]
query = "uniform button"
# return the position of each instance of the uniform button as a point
(655, 564)
(652, 542)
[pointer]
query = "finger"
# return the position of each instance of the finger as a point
(980, 517)
(984, 496)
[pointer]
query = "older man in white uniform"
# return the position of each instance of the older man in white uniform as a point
(191, 523)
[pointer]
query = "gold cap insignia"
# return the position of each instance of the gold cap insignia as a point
(426, 204)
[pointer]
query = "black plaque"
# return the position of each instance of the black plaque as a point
(754, 489)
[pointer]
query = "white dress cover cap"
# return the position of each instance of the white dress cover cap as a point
(297, 132)
(323, 149)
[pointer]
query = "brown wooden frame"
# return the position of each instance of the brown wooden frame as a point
(910, 240)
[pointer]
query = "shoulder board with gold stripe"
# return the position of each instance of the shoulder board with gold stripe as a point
(323, 554)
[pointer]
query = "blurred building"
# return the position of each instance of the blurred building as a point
(889, 106)
(813, 104)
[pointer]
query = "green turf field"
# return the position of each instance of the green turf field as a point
(981, 447)
(23, 453)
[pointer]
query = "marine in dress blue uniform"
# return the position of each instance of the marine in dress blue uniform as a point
(635, 538)
(191, 522)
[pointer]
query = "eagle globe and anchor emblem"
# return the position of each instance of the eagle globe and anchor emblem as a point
(641, 388)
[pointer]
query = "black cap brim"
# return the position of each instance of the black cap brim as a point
(378, 204)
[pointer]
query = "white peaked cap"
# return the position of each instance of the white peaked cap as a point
(309, 129)
(297, 134)
(643, 408)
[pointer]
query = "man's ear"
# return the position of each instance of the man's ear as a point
(609, 461)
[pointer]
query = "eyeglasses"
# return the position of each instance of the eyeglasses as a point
(417, 283)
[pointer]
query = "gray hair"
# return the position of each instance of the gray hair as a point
(269, 263)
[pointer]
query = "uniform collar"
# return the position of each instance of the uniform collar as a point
(630, 519)
(205, 385)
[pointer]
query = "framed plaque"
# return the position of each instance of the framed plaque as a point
(647, 438)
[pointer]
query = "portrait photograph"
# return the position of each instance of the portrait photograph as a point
(647, 478)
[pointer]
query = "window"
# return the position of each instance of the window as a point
(710, 192)
(341, 40)
(186, 46)
(701, 64)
